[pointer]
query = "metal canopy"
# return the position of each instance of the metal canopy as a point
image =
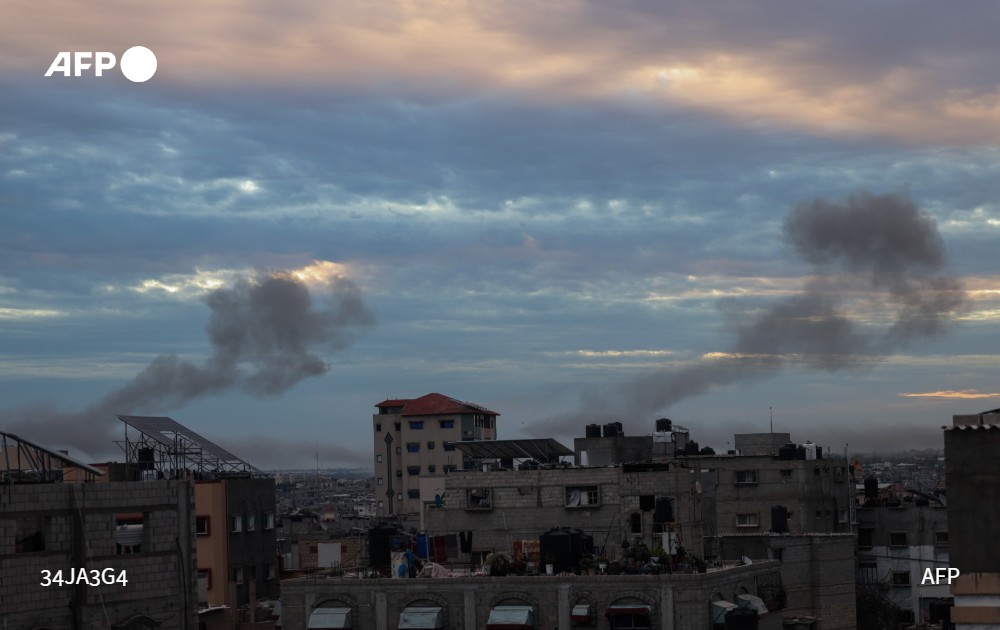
(166, 445)
(329, 618)
(421, 617)
(24, 461)
(541, 449)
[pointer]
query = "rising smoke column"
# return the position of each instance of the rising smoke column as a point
(265, 333)
(878, 251)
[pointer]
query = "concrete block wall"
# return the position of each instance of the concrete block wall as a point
(78, 527)
(678, 602)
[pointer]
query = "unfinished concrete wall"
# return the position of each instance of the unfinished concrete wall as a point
(75, 527)
(678, 602)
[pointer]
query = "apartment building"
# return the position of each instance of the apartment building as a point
(414, 438)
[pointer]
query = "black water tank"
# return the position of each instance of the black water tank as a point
(663, 425)
(871, 488)
(741, 619)
(786, 452)
(593, 430)
(800, 452)
(618, 428)
(779, 519)
(380, 546)
(610, 430)
(664, 512)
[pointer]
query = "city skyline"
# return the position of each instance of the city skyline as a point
(565, 213)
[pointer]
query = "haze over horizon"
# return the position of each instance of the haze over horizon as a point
(567, 212)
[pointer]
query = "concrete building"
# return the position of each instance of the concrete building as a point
(611, 504)
(235, 521)
(660, 602)
(972, 464)
(415, 438)
(897, 545)
(817, 573)
(135, 540)
(741, 494)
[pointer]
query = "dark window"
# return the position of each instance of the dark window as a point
(413, 494)
(647, 502)
(431, 468)
(897, 539)
(940, 538)
(635, 522)
(397, 425)
(413, 447)
(449, 446)
(447, 424)
(201, 526)
(786, 473)
(399, 473)
(378, 427)
(866, 537)
(900, 578)
(430, 445)
(416, 425)
(746, 477)
(413, 470)
(399, 450)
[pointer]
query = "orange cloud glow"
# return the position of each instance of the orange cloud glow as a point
(965, 393)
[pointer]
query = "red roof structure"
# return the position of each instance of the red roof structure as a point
(434, 404)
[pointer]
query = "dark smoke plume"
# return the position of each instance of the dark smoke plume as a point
(878, 251)
(265, 332)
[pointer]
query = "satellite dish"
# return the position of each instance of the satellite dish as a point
(697, 487)
(745, 560)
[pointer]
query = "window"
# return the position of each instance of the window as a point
(866, 536)
(583, 496)
(897, 539)
(129, 536)
(236, 523)
(447, 424)
(399, 450)
(635, 523)
(378, 458)
(647, 502)
(786, 473)
(413, 494)
(28, 536)
(746, 477)
(269, 572)
(940, 538)
(398, 425)
(399, 473)
(479, 499)
(867, 572)
(900, 578)
(431, 468)
(416, 425)
(449, 446)
(268, 520)
(238, 575)
(413, 447)
(430, 445)
(201, 526)
(206, 576)
(747, 520)
(380, 481)
(251, 522)
(413, 470)
(378, 427)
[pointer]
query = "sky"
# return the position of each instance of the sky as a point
(568, 212)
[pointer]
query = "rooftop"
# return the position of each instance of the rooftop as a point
(434, 404)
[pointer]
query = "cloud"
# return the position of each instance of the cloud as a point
(965, 393)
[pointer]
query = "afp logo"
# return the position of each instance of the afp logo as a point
(138, 64)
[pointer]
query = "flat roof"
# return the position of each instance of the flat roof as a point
(543, 449)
